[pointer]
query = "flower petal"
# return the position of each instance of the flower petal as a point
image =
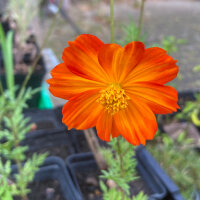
(65, 84)
(115, 131)
(90, 44)
(117, 61)
(109, 57)
(104, 126)
(156, 66)
(82, 111)
(137, 123)
(81, 58)
(160, 98)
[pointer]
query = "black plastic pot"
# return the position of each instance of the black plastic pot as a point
(54, 169)
(47, 119)
(51, 132)
(84, 162)
(154, 170)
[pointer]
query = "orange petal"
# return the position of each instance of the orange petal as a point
(82, 111)
(117, 61)
(90, 44)
(65, 84)
(104, 126)
(109, 57)
(160, 98)
(61, 70)
(81, 58)
(137, 123)
(115, 131)
(156, 66)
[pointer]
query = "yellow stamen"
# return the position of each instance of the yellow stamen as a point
(113, 98)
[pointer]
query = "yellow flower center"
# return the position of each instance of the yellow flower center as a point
(113, 98)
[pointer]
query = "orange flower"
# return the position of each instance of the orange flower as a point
(118, 90)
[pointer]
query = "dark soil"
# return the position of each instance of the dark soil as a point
(47, 190)
(61, 151)
(89, 185)
(138, 186)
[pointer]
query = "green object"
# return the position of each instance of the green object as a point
(191, 111)
(179, 160)
(14, 131)
(6, 46)
(196, 68)
(45, 100)
(131, 33)
(171, 43)
(121, 170)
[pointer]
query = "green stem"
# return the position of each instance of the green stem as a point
(39, 54)
(1, 88)
(140, 19)
(119, 152)
(19, 164)
(120, 155)
(112, 31)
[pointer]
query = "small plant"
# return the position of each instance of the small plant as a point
(14, 127)
(170, 44)
(196, 68)
(131, 34)
(121, 171)
(180, 161)
(191, 111)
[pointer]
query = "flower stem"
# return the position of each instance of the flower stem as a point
(119, 152)
(140, 19)
(1, 88)
(112, 31)
(23, 193)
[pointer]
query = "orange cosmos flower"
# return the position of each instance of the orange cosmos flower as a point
(118, 90)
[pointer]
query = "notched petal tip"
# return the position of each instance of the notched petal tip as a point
(137, 44)
(85, 38)
(81, 58)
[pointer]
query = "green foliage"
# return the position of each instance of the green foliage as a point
(14, 127)
(121, 170)
(140, 196)
(191, 111)
(171, 43)
(111, 194)
(196, 68)
(6, 46)
(5, 189)
(131, 34)
(180, 162)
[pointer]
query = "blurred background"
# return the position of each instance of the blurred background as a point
(33, 35)
(163, 21)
